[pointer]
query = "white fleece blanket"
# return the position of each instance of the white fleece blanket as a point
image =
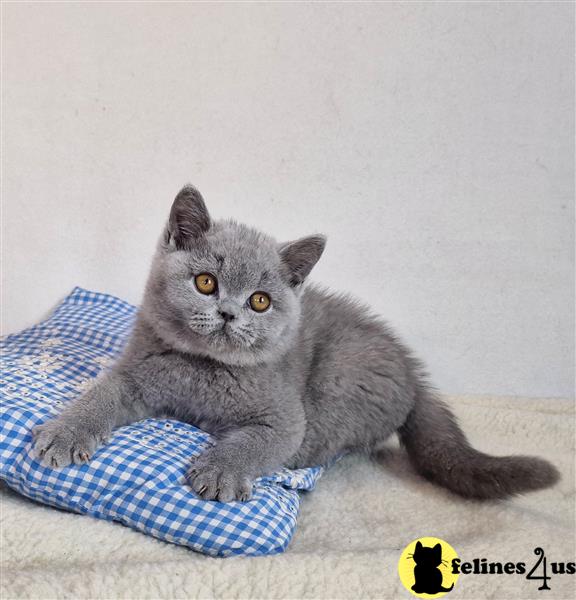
(351, 531)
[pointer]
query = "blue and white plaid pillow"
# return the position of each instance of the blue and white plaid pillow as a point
(138, 477)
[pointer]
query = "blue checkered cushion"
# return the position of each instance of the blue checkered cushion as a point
(138, 477)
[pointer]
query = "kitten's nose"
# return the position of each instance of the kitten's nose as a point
(228, 309)
(227, 316)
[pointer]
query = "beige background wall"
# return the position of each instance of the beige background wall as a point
(433, 143)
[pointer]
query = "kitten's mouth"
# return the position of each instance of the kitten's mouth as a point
(223, 336)
(239, 337)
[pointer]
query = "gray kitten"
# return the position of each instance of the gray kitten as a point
(229, 339)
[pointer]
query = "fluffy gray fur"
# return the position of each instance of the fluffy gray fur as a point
(313, 376)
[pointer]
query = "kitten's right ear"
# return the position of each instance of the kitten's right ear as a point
(300, 256)
(419, 545)
(189, 218)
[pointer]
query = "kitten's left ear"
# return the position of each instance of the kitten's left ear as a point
(299, 257)
(438, 548)
(189, 218)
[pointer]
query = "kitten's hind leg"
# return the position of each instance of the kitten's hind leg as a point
(87, 422)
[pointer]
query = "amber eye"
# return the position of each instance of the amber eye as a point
(205, 283)
(260, 301)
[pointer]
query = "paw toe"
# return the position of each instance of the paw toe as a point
(213, 483)
(57, 445)
(80, 456)
(205, 484)
(230, 489)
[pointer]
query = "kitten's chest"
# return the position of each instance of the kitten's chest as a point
(200, 392)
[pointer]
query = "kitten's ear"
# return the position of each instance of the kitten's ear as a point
(419, 546)
(438, 549)
(300, 256)
(189, 218)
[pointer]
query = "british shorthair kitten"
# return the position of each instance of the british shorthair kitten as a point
(230, 338)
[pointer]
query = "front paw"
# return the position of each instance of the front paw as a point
(212, 482)
(58, 444)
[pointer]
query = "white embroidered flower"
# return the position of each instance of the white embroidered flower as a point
(50, 343)
(103, 360)
(42, 365)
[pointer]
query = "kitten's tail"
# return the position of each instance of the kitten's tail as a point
(441, 453)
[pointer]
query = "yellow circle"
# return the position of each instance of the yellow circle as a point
(425, 567)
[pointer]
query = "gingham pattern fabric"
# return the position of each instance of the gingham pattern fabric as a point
(138, 477)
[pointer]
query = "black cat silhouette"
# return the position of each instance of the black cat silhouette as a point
(427, 575)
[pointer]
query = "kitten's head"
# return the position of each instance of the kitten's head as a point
(423, 555)
(224, 290)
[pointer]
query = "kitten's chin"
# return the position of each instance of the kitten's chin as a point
(251, 355)
(242, 356)
(227, 339)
